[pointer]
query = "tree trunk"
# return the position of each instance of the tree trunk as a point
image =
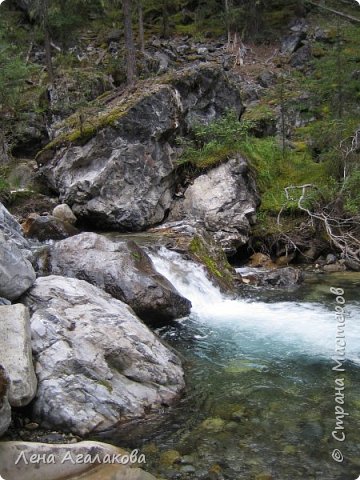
(336, 12)
(141, 26)
(165, 19)
(129, 43)
(49, 65)
(47, 40)
(227, 20)
(4, 154)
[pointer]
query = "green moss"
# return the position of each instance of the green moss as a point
(106, 111)
(214, 259)
(136, 255)
(213, 424)
(209, 145)
(275, 170)
(259, 112)
(99, 114)
(197, 249)
(169, 458)
(4, 172)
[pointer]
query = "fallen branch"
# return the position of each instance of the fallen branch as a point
(29, 53)
(275, 52)
(340, 231)
(335, 12)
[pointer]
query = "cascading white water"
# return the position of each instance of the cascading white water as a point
(276, 329)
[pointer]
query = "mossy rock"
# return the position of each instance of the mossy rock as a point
(169, 458)
(215, 424)
(108, 109)
(204, 250)
(264, 476)
(289, 450)
(238, 367)
(199, 245)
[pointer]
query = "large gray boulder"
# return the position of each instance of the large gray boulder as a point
(224, 199)
(123, 174)
(12, 230)
(5, 409)
(16, 355)
(97, 364)
(292, 42)
(16, 272)
(122, 269)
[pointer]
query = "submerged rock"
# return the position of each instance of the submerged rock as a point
(286, 277)
(169, 458)
(123, 174)
(264, 476)
(98, 365)
(224, 200)
(5, 409)
(215, 424)
(122, 269)
(16, 355)
(335, 267)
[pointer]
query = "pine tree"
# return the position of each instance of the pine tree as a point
(129, 43)
(39, 11)
(141, 25)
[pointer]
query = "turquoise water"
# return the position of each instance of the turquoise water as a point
(260, 400)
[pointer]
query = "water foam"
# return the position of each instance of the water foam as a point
(281, 328)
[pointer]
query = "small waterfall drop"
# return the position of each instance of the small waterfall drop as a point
(276, 329)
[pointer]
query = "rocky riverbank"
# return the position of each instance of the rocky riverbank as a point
(77, 358)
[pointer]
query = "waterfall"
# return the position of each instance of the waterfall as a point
(279, 328)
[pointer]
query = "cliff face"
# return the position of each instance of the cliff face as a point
(124, 176)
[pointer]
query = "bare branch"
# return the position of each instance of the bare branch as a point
(346, 241)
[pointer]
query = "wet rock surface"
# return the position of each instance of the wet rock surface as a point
(191, 239)
(270, 276)
(122, 269)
